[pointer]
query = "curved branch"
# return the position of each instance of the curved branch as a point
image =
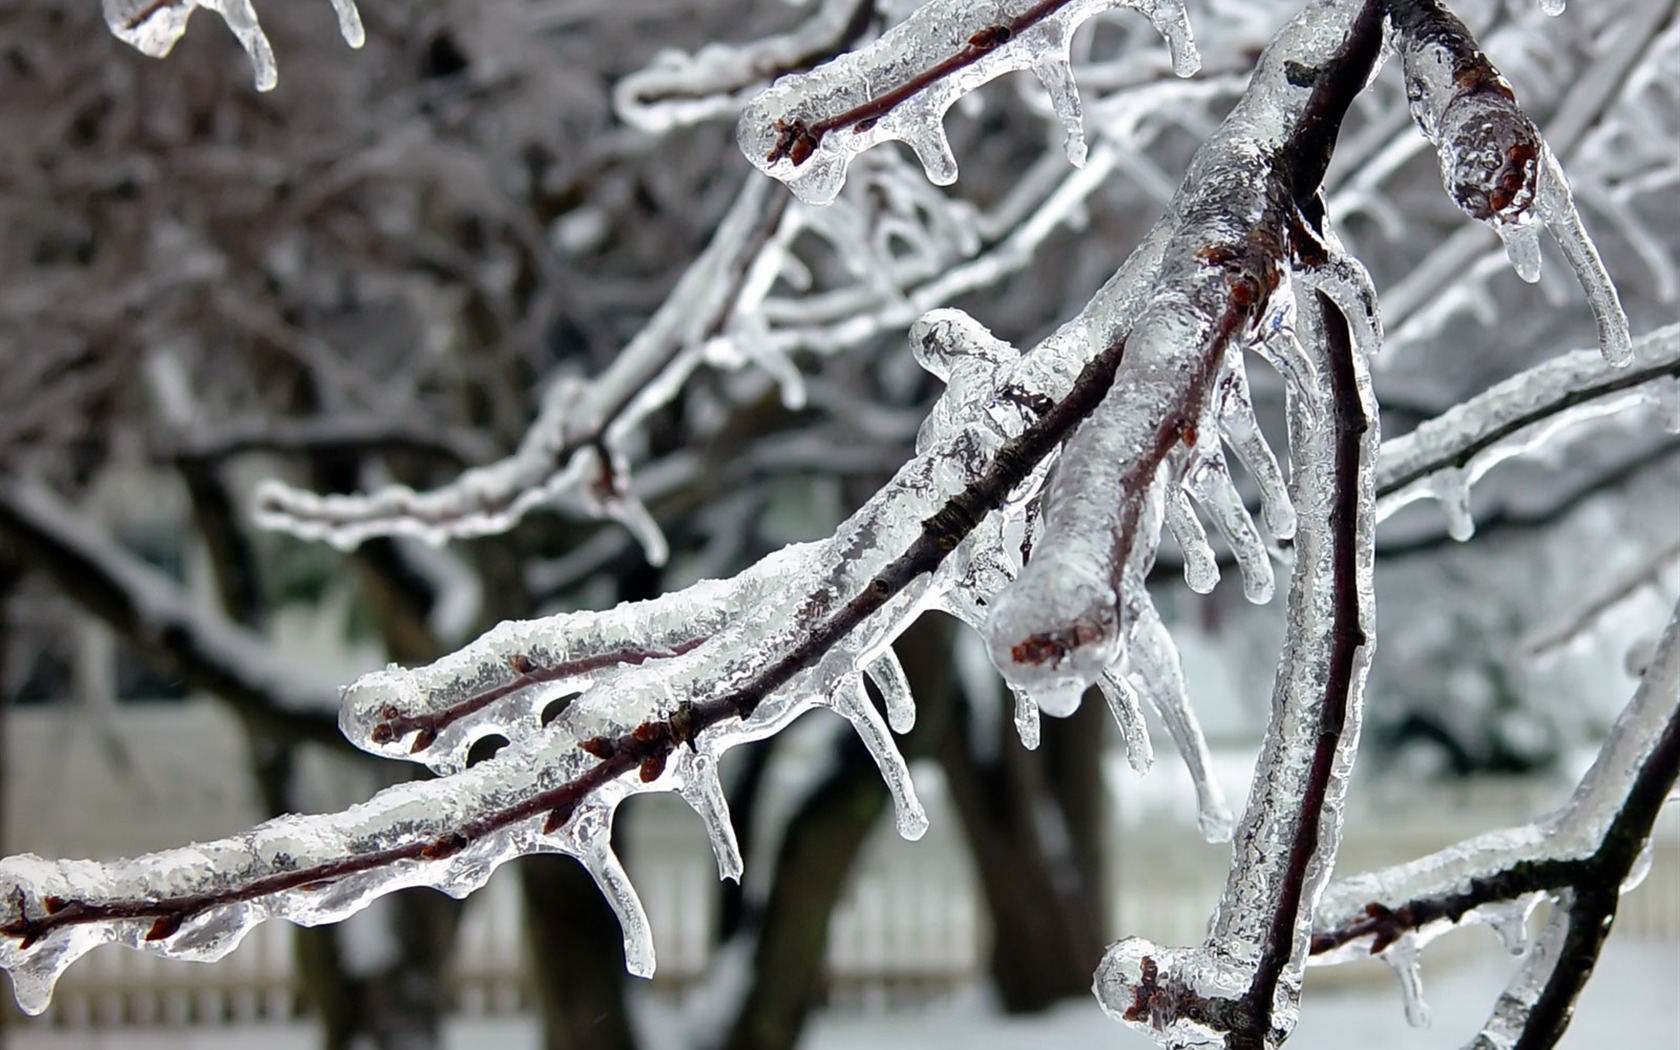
(209, 651)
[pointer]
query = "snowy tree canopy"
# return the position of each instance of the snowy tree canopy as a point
(1032, 508)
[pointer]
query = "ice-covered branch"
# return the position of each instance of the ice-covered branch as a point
(572, 453)
(715, 82)
(1494, 162)
(153, 27)
(1444, 456)
(798, 632)
(807, 129)
(1583, 856)
(212, 653)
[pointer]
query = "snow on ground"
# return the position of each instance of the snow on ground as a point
(1630, 1005)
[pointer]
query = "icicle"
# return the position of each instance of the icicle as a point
(1201, 570)
(609, 875)
(633, 514)
(932, 148)
(1123, 704)
(1451, 488)
(1172, 21)
(1402, 958)
(888, 675)
(1056, 74)
(1509, 921)
(1522, 246)
(350, 22)
(1241, 431)
(1282, 351)
(1026, 718)
(1211, 484)
(850, 700)
(1556, 206)
(703, 791)
(807, 128)
(1154, 660)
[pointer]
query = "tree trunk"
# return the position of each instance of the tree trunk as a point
(821, 847)
(1026, 817)
(577, 957)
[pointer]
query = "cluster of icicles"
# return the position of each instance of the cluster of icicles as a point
(152, 28)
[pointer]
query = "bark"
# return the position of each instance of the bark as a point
(1042, 883)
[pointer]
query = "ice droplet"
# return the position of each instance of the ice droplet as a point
(1522, 247)
(1402, 957)
(1451, 488)
(1552, 8)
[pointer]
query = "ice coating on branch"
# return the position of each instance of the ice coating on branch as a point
(1258, 936)
(1060, 625)
(678, 89)
(153, 26)
(1446, 455)
(1494, 162)
(807, 128)
(572, 455)
(1497, 877)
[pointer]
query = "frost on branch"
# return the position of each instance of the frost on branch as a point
(807, 129)
(1494, 162)
(153, 27)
